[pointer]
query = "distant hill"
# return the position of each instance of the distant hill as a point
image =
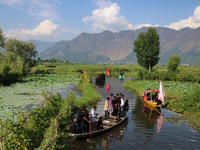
(42, 45)
(118, 47)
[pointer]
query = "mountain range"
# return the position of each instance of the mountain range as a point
(111, 47)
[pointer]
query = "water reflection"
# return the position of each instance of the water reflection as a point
(100, 84)
(114, 135)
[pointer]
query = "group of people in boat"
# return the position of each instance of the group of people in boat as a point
(87, 121)
(151, 97)
(116, 106)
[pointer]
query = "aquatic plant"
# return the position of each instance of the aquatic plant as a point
(27, 94)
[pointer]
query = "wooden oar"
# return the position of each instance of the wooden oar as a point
(90, 129)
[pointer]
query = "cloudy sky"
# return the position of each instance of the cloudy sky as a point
(55, 20)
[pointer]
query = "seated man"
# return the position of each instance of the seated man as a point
(74, 128)
(126, 106)
(99, 124)
(122, 113)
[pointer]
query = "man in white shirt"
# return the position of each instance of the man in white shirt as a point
(122, 103)
(93, 118)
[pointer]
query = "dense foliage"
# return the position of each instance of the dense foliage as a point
(16, 59)
(173, 63)
(147, 48)
(191, 102)
(184, 75)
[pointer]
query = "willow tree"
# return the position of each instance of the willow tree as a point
(147, 48)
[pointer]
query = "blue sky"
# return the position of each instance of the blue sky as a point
(55, 20)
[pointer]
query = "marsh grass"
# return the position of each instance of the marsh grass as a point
(89, 94)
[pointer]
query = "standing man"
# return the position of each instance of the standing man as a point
(94, 118)
(106, 105)
(110, 104)
(115, 106)
(122, 103)
(86, 121)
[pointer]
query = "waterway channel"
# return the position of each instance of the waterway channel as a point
(141, 131)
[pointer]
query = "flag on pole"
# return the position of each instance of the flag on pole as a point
(108, 71)
(162, 93)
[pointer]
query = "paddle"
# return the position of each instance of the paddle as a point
(90, 129)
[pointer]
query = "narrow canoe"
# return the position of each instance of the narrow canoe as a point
(107, 126)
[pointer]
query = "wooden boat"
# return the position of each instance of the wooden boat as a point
(150, 100)
(101, 77)
(113, 122)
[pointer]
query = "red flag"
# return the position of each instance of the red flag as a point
(108, 71)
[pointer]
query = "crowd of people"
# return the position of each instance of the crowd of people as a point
(115, 106)
(87, 121)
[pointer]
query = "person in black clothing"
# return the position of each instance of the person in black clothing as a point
(83, 120)
(126, 106)
(80, 117)
(74, 128)
(99, 124)
(115, 106)
(118, 101)
(86, 122)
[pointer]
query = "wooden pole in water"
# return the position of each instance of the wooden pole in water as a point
(90, 129)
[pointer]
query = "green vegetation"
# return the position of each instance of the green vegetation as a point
(129, 70)
(172, 89)
(16, 59)
(28, 93)
(48, 123)
(184, 74)
(173, 63)
(147, 48)
(90, 96)
(188, 106)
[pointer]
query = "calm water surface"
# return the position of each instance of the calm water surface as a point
(141, 130)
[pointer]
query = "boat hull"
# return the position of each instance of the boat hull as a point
(98, 132)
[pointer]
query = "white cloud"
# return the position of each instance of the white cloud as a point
(37, 8)
(11, 2)
(107, 16)
(45, 28)
(141, 26)
(192, 22)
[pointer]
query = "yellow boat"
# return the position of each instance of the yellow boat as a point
(150, 100)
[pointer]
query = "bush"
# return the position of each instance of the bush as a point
(7, 76)
(183, 76)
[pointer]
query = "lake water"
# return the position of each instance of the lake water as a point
(142, 130)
